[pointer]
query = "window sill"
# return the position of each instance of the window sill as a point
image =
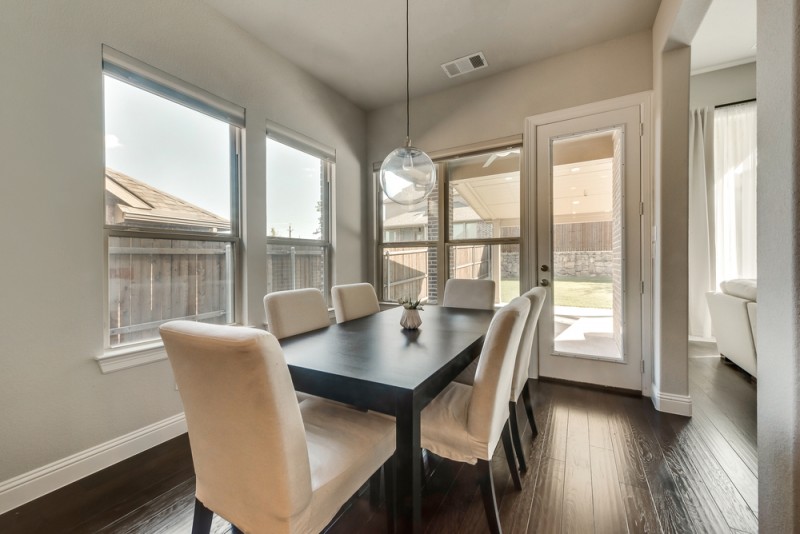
(133, 356)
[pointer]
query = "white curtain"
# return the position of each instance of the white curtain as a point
(702, 254)
(735, 191)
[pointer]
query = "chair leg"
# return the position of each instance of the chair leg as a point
(509, 449)
(526, 399)
(201, 524)
(512, 418)
(389, 493)
(487, 491)
(235, 529)
(375, 489)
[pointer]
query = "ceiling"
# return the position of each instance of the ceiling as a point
(726, 37)
(357, 46)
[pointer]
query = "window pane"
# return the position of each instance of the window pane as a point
(490, 262)
(167, 166)
(419, 222)
(296, 267)
(295, 182)
(484, 195)
(152, 281)
(409, 272)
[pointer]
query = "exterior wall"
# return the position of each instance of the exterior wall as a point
(586, 263)
(55, 402)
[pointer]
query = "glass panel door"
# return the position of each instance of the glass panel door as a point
(588, 227)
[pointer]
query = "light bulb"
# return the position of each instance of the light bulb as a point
(408, 162)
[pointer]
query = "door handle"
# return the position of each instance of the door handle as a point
(545, 282)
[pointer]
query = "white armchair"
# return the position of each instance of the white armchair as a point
(733, 319)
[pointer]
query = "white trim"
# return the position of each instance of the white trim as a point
(671, 403)
(43, 480)
(134, 356)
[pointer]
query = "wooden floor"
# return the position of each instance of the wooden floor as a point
(601, 463)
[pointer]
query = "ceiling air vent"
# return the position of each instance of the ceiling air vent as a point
(465, 64)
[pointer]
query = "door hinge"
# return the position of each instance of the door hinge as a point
(641, 208)
(642, 287)
(642, 366)
(641, 129)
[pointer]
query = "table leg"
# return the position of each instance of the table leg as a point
(408, 457)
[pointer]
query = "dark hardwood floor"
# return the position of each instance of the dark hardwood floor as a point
(602, 462)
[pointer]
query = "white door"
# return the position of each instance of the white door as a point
(588, 190)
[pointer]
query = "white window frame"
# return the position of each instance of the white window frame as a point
(443, 243)
(327, 155)
(153, 80)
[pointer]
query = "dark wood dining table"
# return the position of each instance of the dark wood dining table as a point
(373, 363)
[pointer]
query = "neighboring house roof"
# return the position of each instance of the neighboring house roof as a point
(143, 205)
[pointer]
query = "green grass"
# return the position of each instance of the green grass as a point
(583, 292)
(572, 292)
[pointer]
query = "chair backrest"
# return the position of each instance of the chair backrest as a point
(245, 429)
(488, 407)
(536, 297)
(295, 311)
(352, 301)
(465, 293)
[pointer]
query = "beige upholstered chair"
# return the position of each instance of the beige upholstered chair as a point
(465, 293)
(295, 311)
(352, 301)
(519, 386)
(472, 294)
(464, 423)
(264, 462)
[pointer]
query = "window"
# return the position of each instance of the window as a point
(299, 172)
(171, 182)
(735, 179)
(480, 215)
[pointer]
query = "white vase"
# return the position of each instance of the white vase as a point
(410, 320)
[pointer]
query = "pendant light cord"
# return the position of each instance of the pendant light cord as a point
(408, 98)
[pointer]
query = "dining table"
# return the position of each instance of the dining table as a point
(372, 363)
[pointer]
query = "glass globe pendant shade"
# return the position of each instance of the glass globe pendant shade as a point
(407, 175)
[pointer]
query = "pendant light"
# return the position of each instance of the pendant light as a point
(407, 174)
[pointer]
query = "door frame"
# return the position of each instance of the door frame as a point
(529, 198)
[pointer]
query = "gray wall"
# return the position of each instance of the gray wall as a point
(723, 86)
(778, 266)
(496, 107)
(54, 400)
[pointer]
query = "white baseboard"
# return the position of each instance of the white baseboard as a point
(43, 480)
(671, 403)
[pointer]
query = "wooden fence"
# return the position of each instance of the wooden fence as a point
(295, 268)
(471, 261)
(405, 274)
(582, 236)
(152, 281)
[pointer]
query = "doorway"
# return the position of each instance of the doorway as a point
(588, 226)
